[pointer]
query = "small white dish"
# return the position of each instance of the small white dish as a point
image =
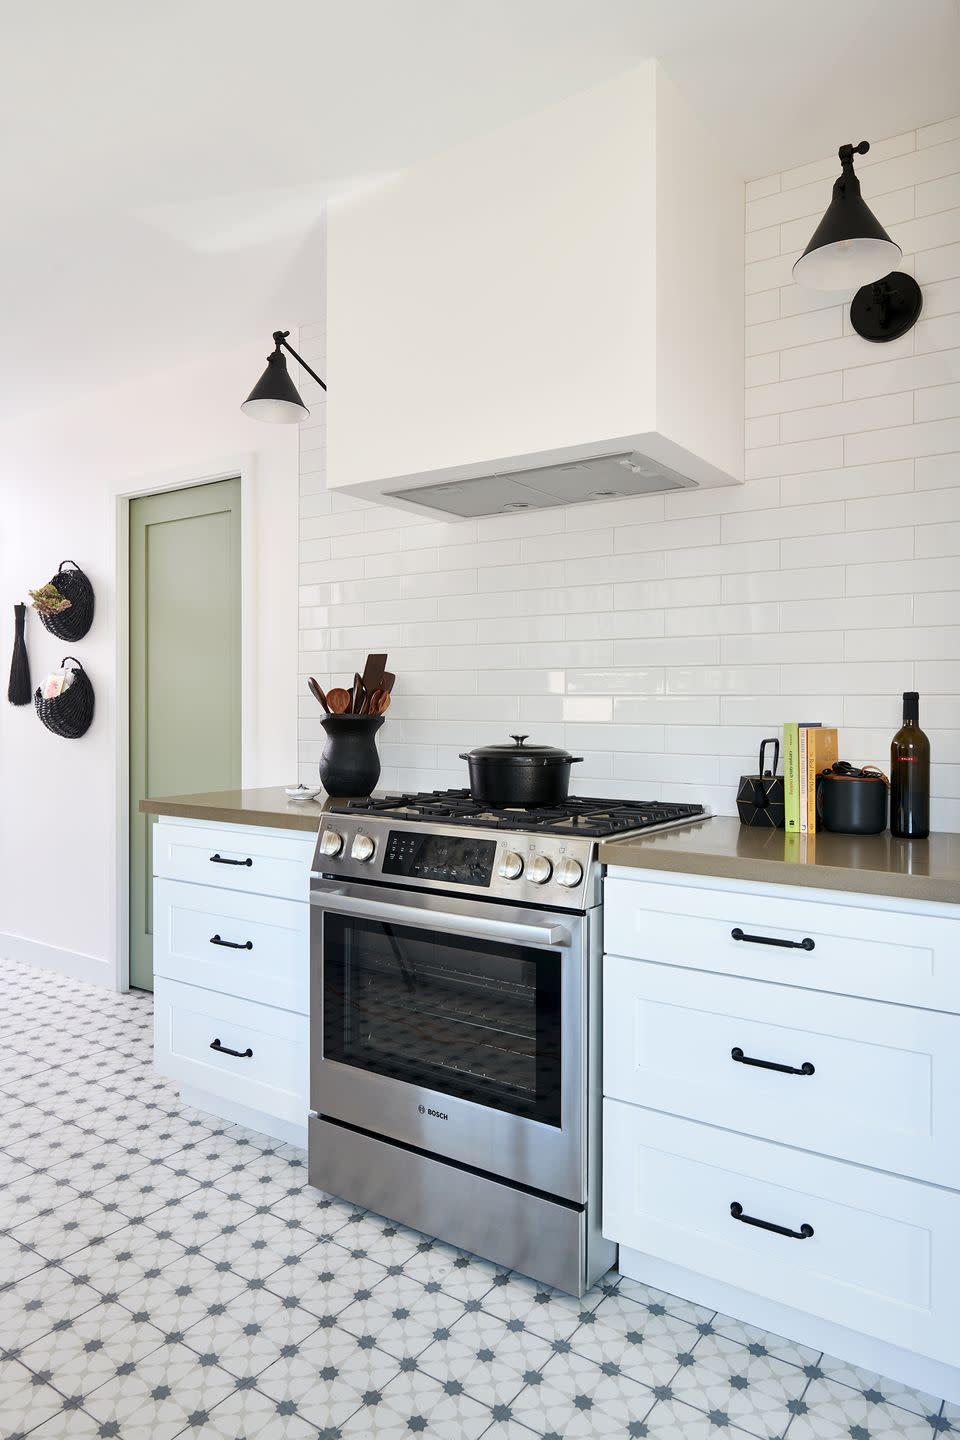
(301, 792)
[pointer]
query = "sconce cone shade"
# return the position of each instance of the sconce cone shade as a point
(275, 398)
(849, 247)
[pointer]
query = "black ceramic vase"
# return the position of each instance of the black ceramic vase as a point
(350, 765)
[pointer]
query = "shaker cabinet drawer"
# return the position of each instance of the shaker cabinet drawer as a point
(253, 946)
(236, 857)
(874, 1252)
(253, 1055)
(849, 949)
(873, 1083)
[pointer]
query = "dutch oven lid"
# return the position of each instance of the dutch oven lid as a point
(520, 753)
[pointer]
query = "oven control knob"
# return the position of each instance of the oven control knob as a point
(511, 866)
(539, 870)
(569, 873)
(330, 843)
(362, 848)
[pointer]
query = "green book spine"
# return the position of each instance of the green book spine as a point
(791, 777)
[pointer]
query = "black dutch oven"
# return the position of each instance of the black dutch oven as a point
(519, 774)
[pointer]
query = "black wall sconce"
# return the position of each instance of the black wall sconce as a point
(275, 398)
(851, 250)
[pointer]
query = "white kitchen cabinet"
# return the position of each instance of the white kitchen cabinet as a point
(249, 1054)
(849, 1125)
(231, 970)
(869, 1251)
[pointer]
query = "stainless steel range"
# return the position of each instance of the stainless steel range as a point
(455, 1020)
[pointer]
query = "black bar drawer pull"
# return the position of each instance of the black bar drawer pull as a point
(219, 859)
(804, 1233)
(231, 944)
(240, 1054)
(805, 1069)
(805, 944)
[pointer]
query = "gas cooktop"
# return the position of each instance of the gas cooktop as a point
(579, 815)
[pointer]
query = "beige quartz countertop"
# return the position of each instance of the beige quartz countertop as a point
(864, 864)
(268, 807)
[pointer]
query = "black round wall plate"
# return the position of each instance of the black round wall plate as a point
(888, 308)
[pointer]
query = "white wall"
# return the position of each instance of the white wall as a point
(663, 638)
(60, 474)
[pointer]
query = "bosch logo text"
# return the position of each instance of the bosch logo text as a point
(435, 1114)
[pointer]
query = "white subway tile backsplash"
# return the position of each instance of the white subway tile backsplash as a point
(847, 417)
(823, 454)
(934, 437)
(761, 369)
(795, 394)
(794, 330)
(938, 539)
(847, 352)
(939, 195)
(941, 263)
(785, 521)
(662, 637)
(938, 402)
(847, 548)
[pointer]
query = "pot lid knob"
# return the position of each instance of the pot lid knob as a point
(519, 739)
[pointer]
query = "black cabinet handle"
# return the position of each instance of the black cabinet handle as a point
(225, 1050)
(805, 1069)
(805, 944)
(219, 859)
(804, 1233)
(231, 944)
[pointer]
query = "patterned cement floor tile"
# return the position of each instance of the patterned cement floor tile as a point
(169, 1276)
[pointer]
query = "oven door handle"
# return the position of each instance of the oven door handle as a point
(341, 902)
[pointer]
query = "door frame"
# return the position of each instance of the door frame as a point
(185, 477)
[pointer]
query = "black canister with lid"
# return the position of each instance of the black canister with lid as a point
(852, 801)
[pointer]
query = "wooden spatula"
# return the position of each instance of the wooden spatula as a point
(317, 693)
(373, 673)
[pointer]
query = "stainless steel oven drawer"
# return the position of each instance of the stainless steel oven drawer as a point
(541, 1238)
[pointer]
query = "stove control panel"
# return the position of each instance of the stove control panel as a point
(459, 860)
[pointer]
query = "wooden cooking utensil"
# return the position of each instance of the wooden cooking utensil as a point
(388, 681)
(356, 695)
(373, 672)
(382, 700)
(338, 701)
(317, 693)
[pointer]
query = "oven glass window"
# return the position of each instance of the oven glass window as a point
(470, 1018)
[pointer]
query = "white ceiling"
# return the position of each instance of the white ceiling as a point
(164, 166)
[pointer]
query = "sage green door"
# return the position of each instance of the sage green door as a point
(184, 669)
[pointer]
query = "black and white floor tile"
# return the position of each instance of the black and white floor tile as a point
(165, 1274)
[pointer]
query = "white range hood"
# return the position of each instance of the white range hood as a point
(549, 315)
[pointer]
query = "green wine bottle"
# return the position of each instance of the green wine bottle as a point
(910, 774)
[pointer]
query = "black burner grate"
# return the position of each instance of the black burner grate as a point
(579, 815)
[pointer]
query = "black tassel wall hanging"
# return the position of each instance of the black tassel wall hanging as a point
(18, 691)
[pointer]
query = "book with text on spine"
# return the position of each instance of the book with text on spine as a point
(821, 754)
(804, 727)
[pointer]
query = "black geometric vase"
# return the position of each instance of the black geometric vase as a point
(350, 765)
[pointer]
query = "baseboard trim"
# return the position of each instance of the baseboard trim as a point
(932, 1376)
(284, 1130)
(89, 968)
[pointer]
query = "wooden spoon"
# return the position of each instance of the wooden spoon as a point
(381, 701)
(356, 698)
(338, 701)
(317, 693)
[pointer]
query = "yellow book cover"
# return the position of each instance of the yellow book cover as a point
(821, 754)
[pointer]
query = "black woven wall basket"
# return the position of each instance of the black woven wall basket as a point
(72, 624)
(70, 715)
